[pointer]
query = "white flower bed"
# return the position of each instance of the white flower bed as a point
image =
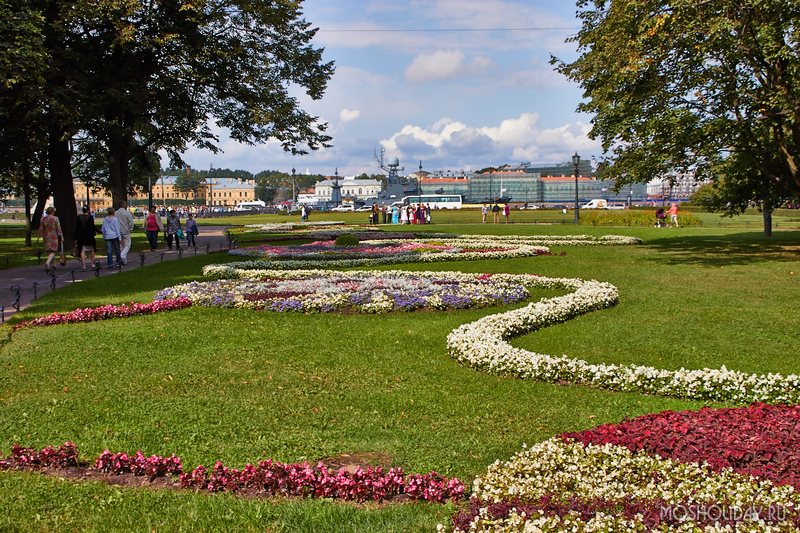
(571, 471)
(280, 227)
(483, 345)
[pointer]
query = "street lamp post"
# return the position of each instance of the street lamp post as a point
(576, 159)
(294, 188)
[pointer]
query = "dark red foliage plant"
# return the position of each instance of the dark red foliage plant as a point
(760, 440)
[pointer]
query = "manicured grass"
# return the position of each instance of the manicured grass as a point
(241, 386)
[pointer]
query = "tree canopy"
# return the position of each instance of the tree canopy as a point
(708, 86)
(123, 79)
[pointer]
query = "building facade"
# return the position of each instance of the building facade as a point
(524, 187)
(228, 192)
(352, 189)
(223, 192)
(675, 186)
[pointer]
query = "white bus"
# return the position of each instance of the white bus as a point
(250, 206)
(436, 201)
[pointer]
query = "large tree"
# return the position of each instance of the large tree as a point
(710, 86)
(135, 76)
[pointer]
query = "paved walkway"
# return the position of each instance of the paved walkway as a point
(33, 281)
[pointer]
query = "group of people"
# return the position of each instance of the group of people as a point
(116, 229)
(495, 212)
(181, 210)
(400, 214)
(154, 226)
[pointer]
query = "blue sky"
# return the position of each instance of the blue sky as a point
(484, 94)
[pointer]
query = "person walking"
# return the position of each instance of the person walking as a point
(85, 231)
(153, 227)
(173, 227)
(51, 235)
(673, 215)
(191, 231)
(126, 227)
(111, 234)
(484, 212)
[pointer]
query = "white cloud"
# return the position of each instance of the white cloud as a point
(444, 64)
(346, 115)
(513, 140)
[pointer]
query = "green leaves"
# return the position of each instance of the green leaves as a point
(693, 86)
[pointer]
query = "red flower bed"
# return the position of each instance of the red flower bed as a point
(107, 311)
(272, 478)
(760, 440)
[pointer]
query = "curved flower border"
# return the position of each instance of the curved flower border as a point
(565, 485)
(483, 344)
(729, 469)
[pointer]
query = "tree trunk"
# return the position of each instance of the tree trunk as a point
(26, 189)
(118, 160)
(767, 211)
(61, 178)
(42, 195)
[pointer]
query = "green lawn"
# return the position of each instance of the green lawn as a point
(240, 386)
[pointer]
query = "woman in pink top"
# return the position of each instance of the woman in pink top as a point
(673, 215)
(153, 227)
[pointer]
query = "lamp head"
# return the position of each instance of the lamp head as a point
(576, 159)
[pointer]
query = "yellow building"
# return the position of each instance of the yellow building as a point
(224, 192)
(228, 192)
(164, 192)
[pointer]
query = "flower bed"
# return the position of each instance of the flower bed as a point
(267, 477)
(319, 291)
(105, 312)
(593, 481)
(412, 248)
(484, 345)
(760, 440)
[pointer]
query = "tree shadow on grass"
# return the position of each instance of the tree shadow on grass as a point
(731, 249)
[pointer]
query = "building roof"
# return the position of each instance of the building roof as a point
(230, 183)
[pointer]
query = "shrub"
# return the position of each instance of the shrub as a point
(346, 240)
(630, 217)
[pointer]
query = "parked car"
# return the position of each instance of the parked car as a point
(560, 206)
(364, 209)
(343, 208)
